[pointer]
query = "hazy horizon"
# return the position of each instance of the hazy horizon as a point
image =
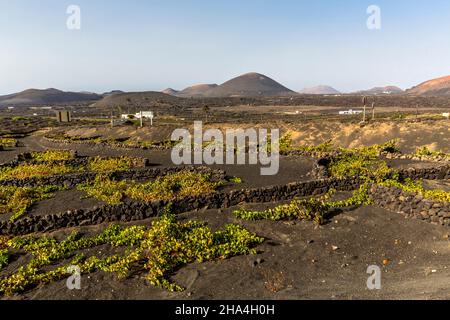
(152, 45)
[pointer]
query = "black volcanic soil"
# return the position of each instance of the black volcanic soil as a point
(63, 201)
(297, 261)
(291, 168)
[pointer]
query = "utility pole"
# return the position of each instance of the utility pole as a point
(373, 111)
(112, 120)
(142, 120)
(365, 106)
(151, 119)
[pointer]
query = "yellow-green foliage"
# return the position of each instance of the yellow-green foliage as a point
(312, 209)
(4, 242)
(138, 143)
(236, 180)
(102, 165)
(27, 170)
(4, 258)
(167, 144)
(359, 165)
(286, 143)
(52, 155)
(321, 149)
(417, 187)
(160, 249)
(16, 200)
(328, 148)
(8, 143)
(4, 254)
(173, 186)
(424, 151)
(363, 162)
(169, 187)
(105, 189)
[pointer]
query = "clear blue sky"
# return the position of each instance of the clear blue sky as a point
(154, 44)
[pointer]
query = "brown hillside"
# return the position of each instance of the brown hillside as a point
(435, 87)
(250, 85)
(46, 97)
(198, 90)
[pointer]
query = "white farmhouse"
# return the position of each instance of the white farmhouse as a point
(350, 112)
(145, 115)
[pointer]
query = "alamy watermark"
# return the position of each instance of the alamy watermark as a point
(237, 146)
(73, 22)
(374, 19)
(74, 281)
(374, 281)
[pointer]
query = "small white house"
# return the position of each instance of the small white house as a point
(350, 112)
(127, 116)
(446, 115)
(145, 115)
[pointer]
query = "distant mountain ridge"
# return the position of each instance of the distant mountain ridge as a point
(250, 85)
(112, 92)
(320, 90)
(142, 99)
(170, 91)
(382, 90)
(198, 90)
(46, 97)
(247, 85)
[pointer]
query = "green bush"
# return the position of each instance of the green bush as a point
(4, 254)
(312, 209)
(6, 143)
(4, 258)
(53, 155)
(417, 187)
(16, 200)
(169, 187)
(28, 170)
(424, 151)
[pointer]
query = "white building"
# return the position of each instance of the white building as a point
(145, 115)
(446, 115)
(350, 112)
(127, 116)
